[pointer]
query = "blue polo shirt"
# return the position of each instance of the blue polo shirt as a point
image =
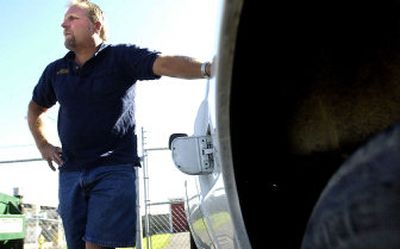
(96, 121)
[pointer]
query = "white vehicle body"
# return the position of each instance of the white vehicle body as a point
(210, 215)
(211, 197)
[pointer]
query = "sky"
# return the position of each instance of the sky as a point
(31, 38)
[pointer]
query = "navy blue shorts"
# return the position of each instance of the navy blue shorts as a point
(98, 205)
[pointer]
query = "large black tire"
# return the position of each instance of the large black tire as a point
(287, 53)
(359, 208)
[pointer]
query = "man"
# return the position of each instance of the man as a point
(95, 86)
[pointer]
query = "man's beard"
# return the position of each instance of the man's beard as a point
(70, 43)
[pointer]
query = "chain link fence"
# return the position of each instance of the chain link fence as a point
(166, 230)
(44, 228)
(164, 224)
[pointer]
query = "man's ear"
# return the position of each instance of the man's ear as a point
(98, 26)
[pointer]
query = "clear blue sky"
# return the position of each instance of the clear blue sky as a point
(31, 37)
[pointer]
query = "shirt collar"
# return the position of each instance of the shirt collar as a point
(71, 55)
(102, 46)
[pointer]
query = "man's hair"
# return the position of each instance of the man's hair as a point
(95, 14)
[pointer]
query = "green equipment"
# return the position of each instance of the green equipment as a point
(12, 222)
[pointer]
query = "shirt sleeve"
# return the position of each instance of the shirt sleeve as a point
(43, 93)
(139, 62)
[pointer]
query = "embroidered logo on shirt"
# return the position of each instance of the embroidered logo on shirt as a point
(62, 71)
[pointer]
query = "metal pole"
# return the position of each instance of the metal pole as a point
(146, 193)
(160, 148)
(147, 203)
(22, 160)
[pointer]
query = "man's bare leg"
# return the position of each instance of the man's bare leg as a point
(89, 245)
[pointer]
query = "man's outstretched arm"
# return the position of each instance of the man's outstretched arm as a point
(181, 67)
